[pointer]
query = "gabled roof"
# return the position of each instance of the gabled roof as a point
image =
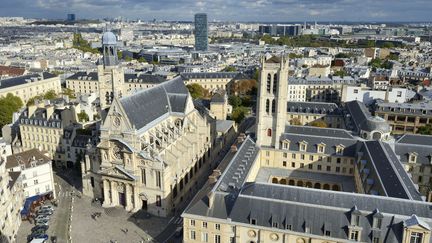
(149, 104)
(414, 220)
(273, 59)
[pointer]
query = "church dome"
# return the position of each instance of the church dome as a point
(376, 123)
(108, 38)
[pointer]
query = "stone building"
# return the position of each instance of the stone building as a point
(305, 113)
(307, 184)
(36, 172)
(29, 86)
(405, 117)
(154, 146)
(11, 200)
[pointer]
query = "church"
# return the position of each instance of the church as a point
(154, 145)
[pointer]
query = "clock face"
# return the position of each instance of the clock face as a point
(116, 121)
(116, 152)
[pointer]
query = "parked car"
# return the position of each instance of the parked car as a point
(44, 222)
(40, 227)
(49, 207)
(45, 212)
(41, 217)
(37, 236)
(39, 231)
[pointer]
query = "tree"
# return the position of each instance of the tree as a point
(119, 54)
(50, 94)
(197, 91)
(8, 105)
(425, 130)
(239, 113)
(340, 73)
(82, 116)
(235, 101)
(318, 123)
(295, 121)
(230, 69)
(69, 92)
(244, 86)
(388, 45)
(293, 55)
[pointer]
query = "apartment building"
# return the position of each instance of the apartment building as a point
(368, 95)
(404, 117)
(36, 172)
(317, 89)
(415, 152)
(211, 81)
(305, 113)
(42, 126)
(11, 199)
(29, 86)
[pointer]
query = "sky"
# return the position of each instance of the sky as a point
(225, 10)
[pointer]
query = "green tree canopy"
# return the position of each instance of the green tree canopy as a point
(230, 69)
(8, 105)
(82, 116)
(239, 113)
(425, 130)
(234, 100)
(197, 91)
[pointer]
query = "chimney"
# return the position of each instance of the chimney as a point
(210, 196)
(31, 110)
(49, 111)
(214, 176)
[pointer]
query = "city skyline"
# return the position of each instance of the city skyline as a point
(278, 10)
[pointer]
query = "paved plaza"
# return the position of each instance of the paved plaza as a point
(113, 224)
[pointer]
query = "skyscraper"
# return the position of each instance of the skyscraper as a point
(201, 35)
(71, 17)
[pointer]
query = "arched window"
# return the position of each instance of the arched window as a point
(267, 106)
(268, 82)
(273, 106)
(269, 132)
(275, 83)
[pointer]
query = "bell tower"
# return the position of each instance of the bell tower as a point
(272, 100)
(110, 75)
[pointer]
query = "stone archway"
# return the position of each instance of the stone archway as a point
(335, 188)
(275, 180)
(308, 184)
(283, 181)
(291, 183)
(326, 187)
(317, 185)
(299, 183)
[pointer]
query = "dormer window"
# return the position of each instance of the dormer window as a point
(339, 149)
(355, 216)
(321, 148)
(303, 146)
(377, 219)
(285, 144)
(412, 157)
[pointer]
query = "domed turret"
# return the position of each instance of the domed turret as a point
(108, 38)
(109, 46)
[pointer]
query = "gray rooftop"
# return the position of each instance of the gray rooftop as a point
(20, 80)
(149, 104)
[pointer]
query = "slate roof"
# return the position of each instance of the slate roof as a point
(11, 82)
(391, 175)
(149, 104)
(363, 120)
(128, 77)
(420, 109)
(25, 158)
(420, 144)
(209, 75)
(313, 108)
(320, 132)
(89, 76)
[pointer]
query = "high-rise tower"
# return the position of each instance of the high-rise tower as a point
(272, 101)
(201, 32)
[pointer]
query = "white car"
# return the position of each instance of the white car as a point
(46, 207)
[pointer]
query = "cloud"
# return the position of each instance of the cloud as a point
(241, 10)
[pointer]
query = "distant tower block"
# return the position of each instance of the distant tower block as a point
(71, 17)
(201, 32)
